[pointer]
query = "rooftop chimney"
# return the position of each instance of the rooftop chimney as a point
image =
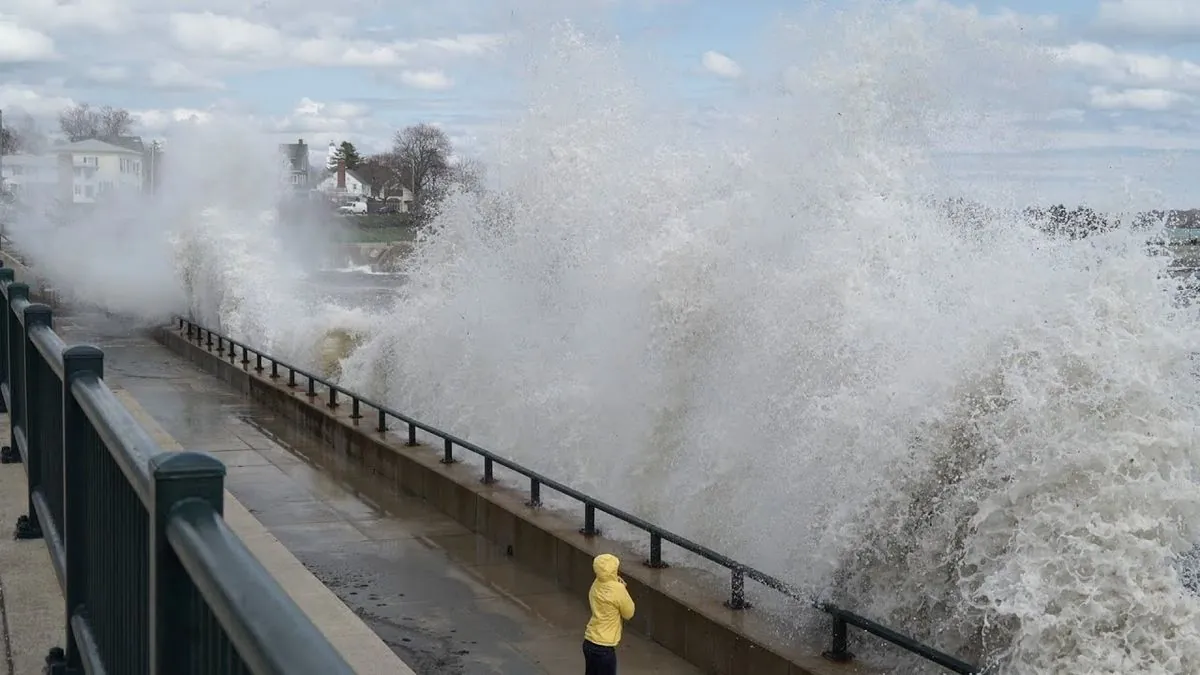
(341, 174)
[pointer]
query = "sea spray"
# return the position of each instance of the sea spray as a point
(768, 339)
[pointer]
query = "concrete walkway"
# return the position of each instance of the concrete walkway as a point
(358, 644)
(445, 600)
(32, 610)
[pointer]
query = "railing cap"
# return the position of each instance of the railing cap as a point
(185, 465)
(83, 352)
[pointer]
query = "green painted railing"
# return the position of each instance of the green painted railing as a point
(154, 581)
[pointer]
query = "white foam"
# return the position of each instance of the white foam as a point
(764, 338)
(761, 335)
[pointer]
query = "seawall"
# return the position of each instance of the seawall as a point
(380, 256)
(678, 607)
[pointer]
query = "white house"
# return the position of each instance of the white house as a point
(28, 174)
(90, 169)
(344, 185)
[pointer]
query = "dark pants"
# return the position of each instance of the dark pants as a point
(599, 660)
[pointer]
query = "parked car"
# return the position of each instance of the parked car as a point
(355, 208)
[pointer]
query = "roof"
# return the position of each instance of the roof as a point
(21, 159)
(297, 154)
(93, 145)
(331, 178)
(130, 142)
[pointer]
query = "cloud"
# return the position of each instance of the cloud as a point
(311, 116)
(720, 65)
(1131, 68)
(175, 75)
(206, 34)
(161, 120)
(434, 80)
(1153, 100)
(19, 44)
(107, 74)
(104, 16)
(1130, 80)
(218, 35)
(30, 101)
(1163, 19)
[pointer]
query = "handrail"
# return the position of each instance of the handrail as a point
(248, 607)
(131, 447)
(739, 572)
(106, 498)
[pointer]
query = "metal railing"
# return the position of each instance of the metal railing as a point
(154, 581)
(334, 395)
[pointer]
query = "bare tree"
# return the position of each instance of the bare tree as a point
(115, 122)
(421, 154)
(78, 122)
(20, 134)
(468, 173)
(380, 173)
(9, 143)
(81, 122)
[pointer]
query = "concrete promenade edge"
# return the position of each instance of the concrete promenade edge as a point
(366, 653)
(33, 617)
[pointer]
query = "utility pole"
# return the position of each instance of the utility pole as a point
(153, 165)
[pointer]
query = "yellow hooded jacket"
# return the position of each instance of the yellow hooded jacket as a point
(610, 602)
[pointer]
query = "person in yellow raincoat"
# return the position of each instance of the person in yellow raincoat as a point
(611, 606)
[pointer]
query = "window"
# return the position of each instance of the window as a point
(78, 191)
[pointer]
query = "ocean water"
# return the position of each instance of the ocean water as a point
(762, 335)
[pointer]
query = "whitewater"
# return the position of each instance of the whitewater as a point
(761, 334)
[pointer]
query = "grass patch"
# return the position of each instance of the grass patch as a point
(372, 235)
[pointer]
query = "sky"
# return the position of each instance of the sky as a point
(359, 70)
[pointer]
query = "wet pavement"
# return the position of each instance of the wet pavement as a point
(444, 599)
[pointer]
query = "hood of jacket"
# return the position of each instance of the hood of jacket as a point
(606, 566)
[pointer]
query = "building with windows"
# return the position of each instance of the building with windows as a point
(26, 176)
(92, 169)
(295, 164)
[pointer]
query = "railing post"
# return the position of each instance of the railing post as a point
(6, 277)
(177, 476)
(78, 361)
(737, 589)
(589, 521)
(655, 561)
(839, 651)
(14, 337)
(34, 381)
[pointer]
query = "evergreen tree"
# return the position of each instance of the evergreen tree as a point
(345, 152)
